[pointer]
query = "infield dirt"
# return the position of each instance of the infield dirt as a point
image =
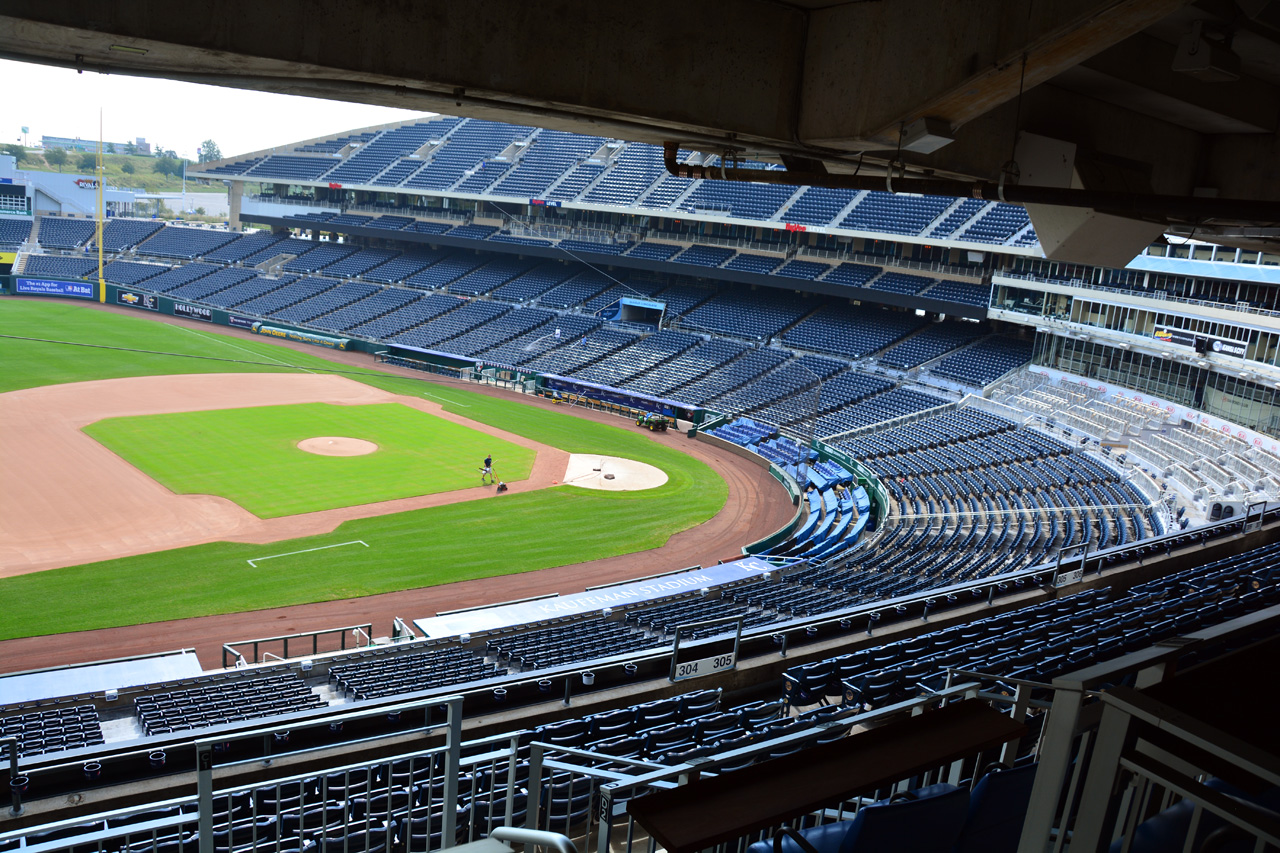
(72, 501)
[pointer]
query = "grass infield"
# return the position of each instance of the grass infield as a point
(516, 533)
(250, 456)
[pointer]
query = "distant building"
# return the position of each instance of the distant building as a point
(91, 145)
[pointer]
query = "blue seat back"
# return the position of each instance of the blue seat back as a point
(997, 809)
(928, 824)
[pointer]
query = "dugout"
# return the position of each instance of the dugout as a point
(550, 384)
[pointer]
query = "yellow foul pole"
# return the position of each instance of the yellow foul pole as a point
(102, 212)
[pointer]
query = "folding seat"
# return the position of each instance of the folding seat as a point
(667, 738)
(627, 746)
(613, 723)
(364, 841)
(715, 727)
(923, 820)
(487, 813)
(570, 733)
(730, 744)
(495, 778)
(255, 832)
(228, 809)
(432, 822)
(685, 755)
(324, 819)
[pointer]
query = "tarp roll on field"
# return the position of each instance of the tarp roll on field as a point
(303, 337)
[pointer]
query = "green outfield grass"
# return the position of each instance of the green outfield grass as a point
(501, 535)
(173, 349)
(250, 456)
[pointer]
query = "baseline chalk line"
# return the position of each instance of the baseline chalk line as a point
(445, 400)
(254, 562)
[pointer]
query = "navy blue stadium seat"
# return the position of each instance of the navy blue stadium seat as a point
(927, 821)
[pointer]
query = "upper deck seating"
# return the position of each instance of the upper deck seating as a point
(895, 214)
(852, 330)
(984, 362)
(184, 243)
(59, 233)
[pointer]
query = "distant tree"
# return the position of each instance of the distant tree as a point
(127, 167)
(209, 151)
(88, 162)
(200, 211)
(111, 148)
(17, 152)
(168, 166)
(56, 157)
(130, 149)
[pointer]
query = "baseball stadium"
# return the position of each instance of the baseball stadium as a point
(490, 479)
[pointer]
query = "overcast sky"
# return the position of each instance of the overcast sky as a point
(179, 116)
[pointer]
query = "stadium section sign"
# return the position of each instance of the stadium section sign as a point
(49, 287)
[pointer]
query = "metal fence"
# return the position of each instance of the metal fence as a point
(425, 789)
(282, 807)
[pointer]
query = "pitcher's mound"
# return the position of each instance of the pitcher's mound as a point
(336, 445)
(589, 471)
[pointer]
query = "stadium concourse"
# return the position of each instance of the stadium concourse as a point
(1005, 492)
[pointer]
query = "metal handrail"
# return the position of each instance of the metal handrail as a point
(230, 646)
(1158, 295)
(11, 744)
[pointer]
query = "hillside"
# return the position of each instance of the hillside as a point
(143, 176)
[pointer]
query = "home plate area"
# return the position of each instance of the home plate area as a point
(611, 473)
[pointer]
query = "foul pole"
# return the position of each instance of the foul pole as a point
(102, 212)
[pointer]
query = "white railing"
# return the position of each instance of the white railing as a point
(1159, 295)
(550, 231)
(460, 216)
(893, 422)
(271, 199)
(949, 270)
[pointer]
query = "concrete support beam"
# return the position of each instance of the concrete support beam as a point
(871, 67)
(1170, 156)
(235, 199)
(1242, 166)
(1138, 74)
(724, 68)
(754, 72)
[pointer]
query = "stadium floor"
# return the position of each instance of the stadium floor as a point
(756, 507)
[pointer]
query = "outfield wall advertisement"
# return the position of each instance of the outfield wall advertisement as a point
(302, 337)
(137, 299)
(193, 312)
(53, 287)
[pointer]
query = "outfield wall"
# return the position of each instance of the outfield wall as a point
(158, 303)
